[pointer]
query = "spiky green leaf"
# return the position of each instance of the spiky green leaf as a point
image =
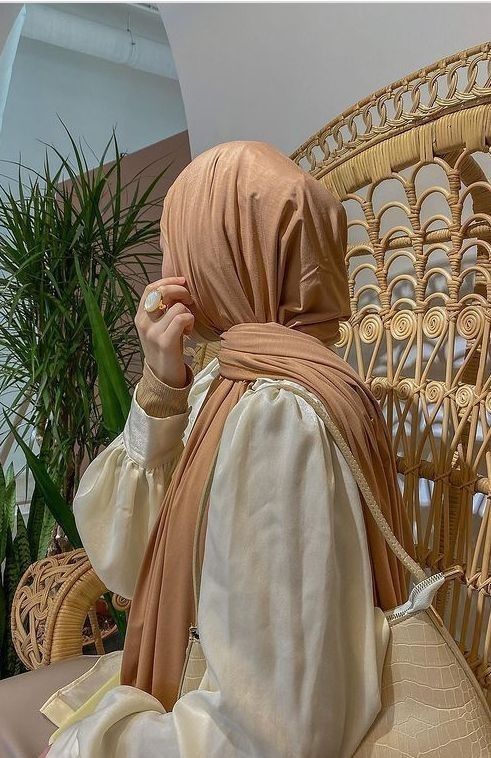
(115, 396)
(58, 507)
(21, 545)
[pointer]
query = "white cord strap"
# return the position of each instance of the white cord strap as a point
(379, 518)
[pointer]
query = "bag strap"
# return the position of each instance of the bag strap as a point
(382, 524)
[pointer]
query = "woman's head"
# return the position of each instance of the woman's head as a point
(258, 240)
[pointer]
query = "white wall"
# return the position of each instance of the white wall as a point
(280, 71)
(91, 96)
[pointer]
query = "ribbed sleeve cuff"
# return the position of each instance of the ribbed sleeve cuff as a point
(159, 399)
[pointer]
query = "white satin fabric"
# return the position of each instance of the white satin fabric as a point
(293, 644)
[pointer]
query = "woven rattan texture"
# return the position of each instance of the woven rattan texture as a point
(458, 81)
(50, 607)
(411, 165)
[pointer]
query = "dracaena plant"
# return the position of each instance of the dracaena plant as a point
(69, 235)
(47, 506)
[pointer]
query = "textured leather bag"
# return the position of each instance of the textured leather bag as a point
(431, 702)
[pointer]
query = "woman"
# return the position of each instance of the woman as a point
(294, 573)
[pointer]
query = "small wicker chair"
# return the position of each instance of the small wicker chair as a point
(410, 164)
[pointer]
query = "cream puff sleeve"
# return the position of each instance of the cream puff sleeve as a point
(121, 491)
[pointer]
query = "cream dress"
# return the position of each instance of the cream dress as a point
(293, 644)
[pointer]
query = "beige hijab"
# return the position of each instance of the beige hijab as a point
(261, 244)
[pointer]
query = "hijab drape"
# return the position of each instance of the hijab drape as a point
(262, 246)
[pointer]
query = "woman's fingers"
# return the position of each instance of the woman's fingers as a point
(164, 284)
(171, 325)
(182, 323)
(172, 292)
(161, 334)
(165, 280)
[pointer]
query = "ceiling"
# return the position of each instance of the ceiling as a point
(143, 19)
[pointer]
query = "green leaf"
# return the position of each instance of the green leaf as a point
(3, 619)
(9, 660)
(4, 522)
(21, 545)
(40, 526)
(114, 393)
(10, 497)
(11, 574)
(35, 521)
(72, 209)
(40, 523)
(45, 534)
(56, 504)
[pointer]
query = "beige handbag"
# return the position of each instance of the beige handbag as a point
(431, 703)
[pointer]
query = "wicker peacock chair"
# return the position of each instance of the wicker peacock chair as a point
(410, 164)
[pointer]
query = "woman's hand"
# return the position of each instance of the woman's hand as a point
(161, 336)
(45, 752)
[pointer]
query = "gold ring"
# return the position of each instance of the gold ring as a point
(154, 302)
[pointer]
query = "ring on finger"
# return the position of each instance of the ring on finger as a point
(154, 302)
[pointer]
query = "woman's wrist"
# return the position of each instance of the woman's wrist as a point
(159, 399)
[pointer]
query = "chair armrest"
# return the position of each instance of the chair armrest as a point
(51, 603)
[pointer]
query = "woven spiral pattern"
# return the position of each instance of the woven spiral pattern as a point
(434, 323)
